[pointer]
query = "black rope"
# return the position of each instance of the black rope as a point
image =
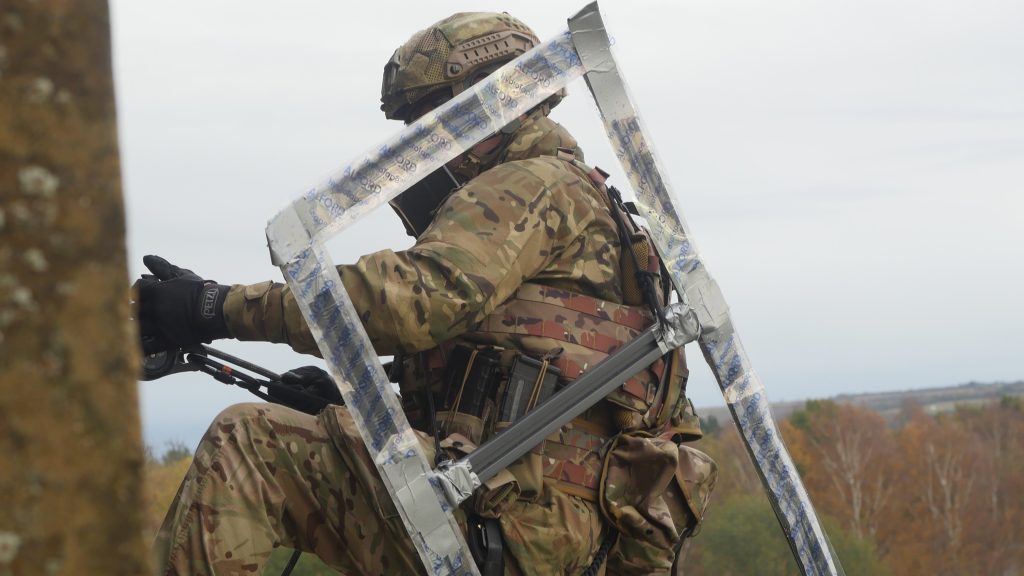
(439, 455)
(644, 278)
(602, 553)
(291, 563)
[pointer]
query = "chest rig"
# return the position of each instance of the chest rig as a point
(538, 341)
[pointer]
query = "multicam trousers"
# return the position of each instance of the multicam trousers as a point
(266, 476)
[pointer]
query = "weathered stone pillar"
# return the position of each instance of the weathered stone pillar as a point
(70, 449)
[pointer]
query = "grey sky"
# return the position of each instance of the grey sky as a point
(852, 171)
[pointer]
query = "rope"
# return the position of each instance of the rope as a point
(291, 563)
(602, 553)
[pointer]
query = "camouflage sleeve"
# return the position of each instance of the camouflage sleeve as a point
(497, 231)
(267, 312)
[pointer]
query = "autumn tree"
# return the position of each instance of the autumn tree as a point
(741, 534)
(848, 459)
(744, 538)
(992, 542)
(163, 477)
(941, 487)
(922, 494)
(736, 474)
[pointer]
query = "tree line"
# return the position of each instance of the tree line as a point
(938, 494)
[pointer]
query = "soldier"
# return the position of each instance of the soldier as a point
(518, 270)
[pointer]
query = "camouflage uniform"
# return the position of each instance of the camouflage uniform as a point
(533, 223)
(267, 476)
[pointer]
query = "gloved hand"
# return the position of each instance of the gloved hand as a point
(308, 380)
(178, 308)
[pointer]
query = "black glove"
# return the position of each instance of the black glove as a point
(177, 308)
(310, 381)
(163, 270)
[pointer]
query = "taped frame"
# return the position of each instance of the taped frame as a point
(296, 237)
(718, 339)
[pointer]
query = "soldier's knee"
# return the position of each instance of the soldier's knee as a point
(238, 413)
(232, 424)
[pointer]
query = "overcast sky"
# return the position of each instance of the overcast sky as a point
(852, 171)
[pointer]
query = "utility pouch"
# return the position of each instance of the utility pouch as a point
(654, 492)
(696, 474)
(530, 383)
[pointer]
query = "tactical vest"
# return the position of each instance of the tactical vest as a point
(571, 332)
(587, 330)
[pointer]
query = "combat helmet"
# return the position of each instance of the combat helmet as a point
(450, 56)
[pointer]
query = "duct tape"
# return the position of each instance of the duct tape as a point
(680, 327)
(458, 480)
(296, 236)
(695, 286)
(743, 389)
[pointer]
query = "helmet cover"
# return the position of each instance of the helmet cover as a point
(450, 56)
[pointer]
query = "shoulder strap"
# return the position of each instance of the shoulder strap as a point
(641, 266)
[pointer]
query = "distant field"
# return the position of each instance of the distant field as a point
(932, 400)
